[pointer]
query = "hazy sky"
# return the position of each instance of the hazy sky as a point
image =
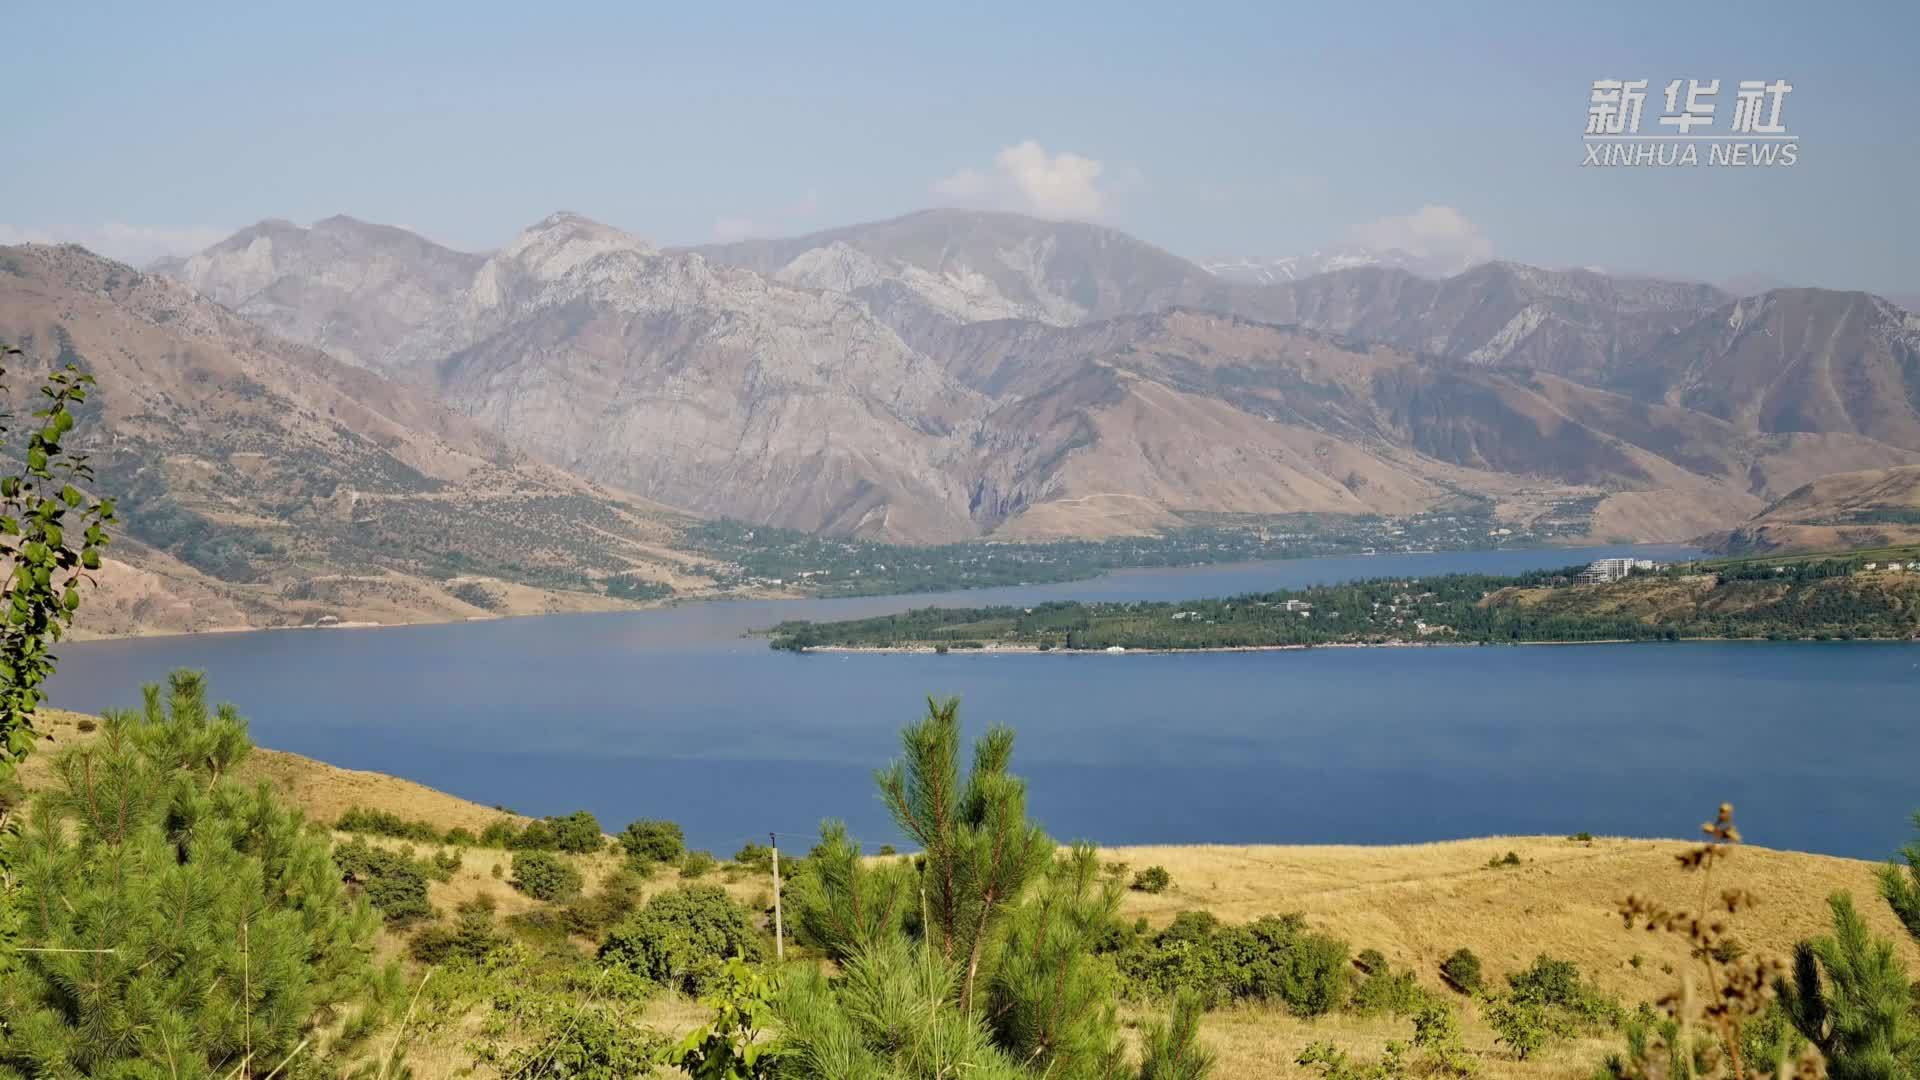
(1227, 129)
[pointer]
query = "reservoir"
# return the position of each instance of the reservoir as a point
(675, 713)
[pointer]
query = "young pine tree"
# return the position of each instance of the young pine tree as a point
(175, 924)
(1850, 996)
(1001, 980)
(980, 850)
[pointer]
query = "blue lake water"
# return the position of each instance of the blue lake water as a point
(673, 713)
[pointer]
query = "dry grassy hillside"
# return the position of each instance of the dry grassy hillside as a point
(1414, 903)
(1866, 508)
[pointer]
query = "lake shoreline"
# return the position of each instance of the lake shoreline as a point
(1034, 650)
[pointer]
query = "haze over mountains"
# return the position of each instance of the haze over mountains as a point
(952, 374)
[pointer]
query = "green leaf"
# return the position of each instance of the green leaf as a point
(71, 599)
(90, 558)
(70, 495)
(37, 459)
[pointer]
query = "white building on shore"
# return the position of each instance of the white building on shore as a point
(1601, 571)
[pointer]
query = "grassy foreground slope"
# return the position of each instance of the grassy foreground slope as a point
(1415, 903)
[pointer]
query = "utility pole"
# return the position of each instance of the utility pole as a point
(779, 935)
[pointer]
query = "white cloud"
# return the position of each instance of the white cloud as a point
(1026, 177)
(137, 245)
(1431, 231)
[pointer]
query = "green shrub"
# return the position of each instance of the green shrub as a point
(1437, 1050)
(1370, 961)
(1332, 1063)
(499, 834)
(460, 836)
(1385, 991)
(1501, 862)
(1523, 1027)
(1558, 984)
(1154, 879)
(381, 823)
(697, 864)
(1193, 926)
(650, 841)
(581, 1042)
(446, 863)
(617, 897)
(755, 856)
(395, 885)
(471, 938)
(1436, 1034)
(1548, 1002)
(545, 875)
(536, 836)
(1582, 837)
(1274, 959)
(682, 938)
(578, 833)
(1461, 970)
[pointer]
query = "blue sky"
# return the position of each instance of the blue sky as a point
(1211, 130)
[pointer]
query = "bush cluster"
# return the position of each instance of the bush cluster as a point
(545, 875)
(1382, 990)
(393, 883)
(1275, 959)
(682, 938)
(359, 819)
(648, 842)
(1154, 879)
(471, 938)
(754, 857)
(1548, 1002)
(577, 833)
(617, 897)
(1461, 969)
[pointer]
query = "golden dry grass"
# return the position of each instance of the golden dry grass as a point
(1415, 903)
(1418, 903)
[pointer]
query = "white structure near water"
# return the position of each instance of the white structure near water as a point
(1601, 571)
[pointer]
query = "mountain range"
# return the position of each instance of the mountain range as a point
(266, 483)
(952, 374)
(1274, 270)
(941, 376)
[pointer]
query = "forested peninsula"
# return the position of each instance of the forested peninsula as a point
(1870, 596)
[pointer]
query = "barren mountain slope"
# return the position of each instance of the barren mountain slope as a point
(952, 374)
(284, 485)
(1862, 509)
(1794, 360)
